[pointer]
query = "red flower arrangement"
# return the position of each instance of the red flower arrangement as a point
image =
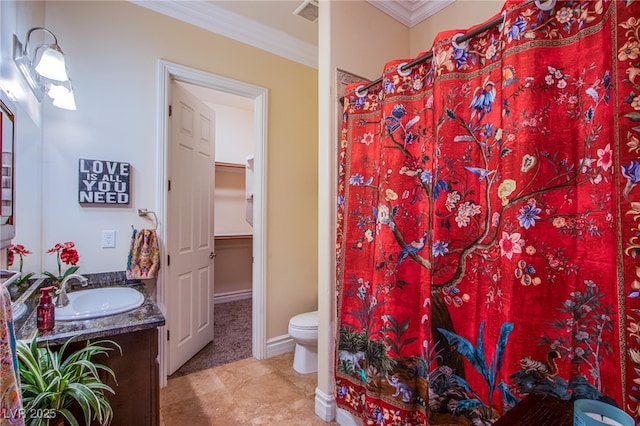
(67, 254)
(21, 251)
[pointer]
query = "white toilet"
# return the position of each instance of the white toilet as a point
(303, 329)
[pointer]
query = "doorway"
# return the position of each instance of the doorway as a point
(168, 72)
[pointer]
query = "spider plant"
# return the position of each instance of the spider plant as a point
(53, 381)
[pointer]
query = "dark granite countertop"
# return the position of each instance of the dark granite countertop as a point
(146, 316)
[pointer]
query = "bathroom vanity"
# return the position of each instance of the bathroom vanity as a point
(136, 399)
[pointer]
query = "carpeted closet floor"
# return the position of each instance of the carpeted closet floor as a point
(231, 338)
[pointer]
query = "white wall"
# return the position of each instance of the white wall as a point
(234, 122)
(234, 133)
(113, 49)
(17, 18)
(230, 201)
(234, 257)
(234, 143)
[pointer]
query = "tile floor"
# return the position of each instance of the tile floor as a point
(243, 393)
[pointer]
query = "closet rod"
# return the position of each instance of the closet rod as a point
(460, 39)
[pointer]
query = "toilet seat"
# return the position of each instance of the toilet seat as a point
(305, 321)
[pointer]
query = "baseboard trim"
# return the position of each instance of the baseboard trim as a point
(280, 345)
(345, 418)
(325, 407)
(232, 296)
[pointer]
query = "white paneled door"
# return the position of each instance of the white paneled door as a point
(190, 207)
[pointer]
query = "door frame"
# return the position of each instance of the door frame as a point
(166, 72)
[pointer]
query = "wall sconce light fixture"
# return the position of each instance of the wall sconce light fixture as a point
(46, 71)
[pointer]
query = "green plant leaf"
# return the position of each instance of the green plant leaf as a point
(23, 279)
(69, 271)
(57, 379)
(69, 417)
(51, 276)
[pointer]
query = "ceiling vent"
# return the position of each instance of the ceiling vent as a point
(308, 10)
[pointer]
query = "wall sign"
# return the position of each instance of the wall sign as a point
(103, 182)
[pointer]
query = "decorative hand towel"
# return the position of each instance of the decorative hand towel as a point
(10, 399)
(144, 256)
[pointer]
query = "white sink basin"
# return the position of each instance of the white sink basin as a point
(99, 302)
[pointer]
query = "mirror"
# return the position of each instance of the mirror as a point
(7, 135)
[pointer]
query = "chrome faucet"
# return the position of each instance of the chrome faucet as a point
(62, 299)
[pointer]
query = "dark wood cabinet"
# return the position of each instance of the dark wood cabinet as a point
(136, 399)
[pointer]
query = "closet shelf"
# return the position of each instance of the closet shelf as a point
(229, 165)
(234, 237)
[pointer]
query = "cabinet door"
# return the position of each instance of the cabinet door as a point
(136, 399)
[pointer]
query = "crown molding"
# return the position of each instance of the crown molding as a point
(213, 18)
(410, 12)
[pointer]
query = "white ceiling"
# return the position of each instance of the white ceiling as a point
(279, 13)
(410, 12)
(275, 14)
(271, 24)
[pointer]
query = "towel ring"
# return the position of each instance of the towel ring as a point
(145, 212)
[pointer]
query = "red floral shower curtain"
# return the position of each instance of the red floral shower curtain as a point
(489, 221)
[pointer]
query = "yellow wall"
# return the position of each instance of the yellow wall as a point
(461, 14)
(234, 256)
(112, 49)
(231, 202)
(357, 38)
(363, 38)
(233, 268)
